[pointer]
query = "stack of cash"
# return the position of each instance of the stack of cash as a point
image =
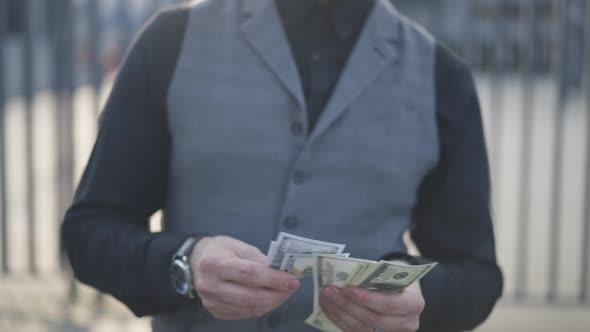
(331, 267)
(294, 254)
(383, 276)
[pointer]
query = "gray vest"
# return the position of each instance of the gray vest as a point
(238, 168)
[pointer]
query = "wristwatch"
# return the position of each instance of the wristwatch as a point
(180, 270)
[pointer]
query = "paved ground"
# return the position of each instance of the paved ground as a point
(28, 305)
(42, 305)
(509, 318)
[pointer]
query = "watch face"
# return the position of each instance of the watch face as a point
(180, 276)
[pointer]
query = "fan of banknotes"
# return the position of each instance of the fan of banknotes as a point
(330, 266)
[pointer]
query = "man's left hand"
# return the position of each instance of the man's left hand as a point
(361, 310)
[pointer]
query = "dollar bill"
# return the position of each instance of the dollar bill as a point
(390, 277)
(301, 265)
(319, 320)
(289, 243)
(272, 251)
(328, 265)
(361, 272)
(333, 271)
(385, 277)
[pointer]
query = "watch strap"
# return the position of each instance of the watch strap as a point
(186, 248)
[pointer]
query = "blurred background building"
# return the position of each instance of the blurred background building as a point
(531, 61)
(497, 33)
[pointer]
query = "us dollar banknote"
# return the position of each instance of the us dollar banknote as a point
(333, 271)
(385, 277)
(293, 244)
(328, 265)
(301, 265)
(272, 251)
(390, 277)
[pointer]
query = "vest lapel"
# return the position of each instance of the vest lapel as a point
(264, 30)
(378, 45)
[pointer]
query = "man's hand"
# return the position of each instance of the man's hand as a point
(359, 310)
(233, 281)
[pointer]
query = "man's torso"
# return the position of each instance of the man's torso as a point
(239, 166)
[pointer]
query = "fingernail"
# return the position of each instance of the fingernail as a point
(373, 318)
(334, 294)
(335, 291)
(327, 295)
(351, 295)
(292, 284)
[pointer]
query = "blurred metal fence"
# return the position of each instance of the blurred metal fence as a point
(76, 44)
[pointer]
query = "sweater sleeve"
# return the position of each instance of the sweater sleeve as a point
(106, 232)
(452, 222)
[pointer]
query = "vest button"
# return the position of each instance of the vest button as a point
(274, 320)
(316, 57)
(297, 128)
(291, 222)
(299, 177)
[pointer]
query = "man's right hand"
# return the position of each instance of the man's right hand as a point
(233, 281)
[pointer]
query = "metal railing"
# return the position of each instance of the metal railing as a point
(522, 43)
(3, 192)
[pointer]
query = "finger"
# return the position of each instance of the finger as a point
(252, 274)
(236, 295)
(344, 321)
(228, 315)
(224, 311)
(383, 304)
(234, 313)
(367, 317)
(399, 323)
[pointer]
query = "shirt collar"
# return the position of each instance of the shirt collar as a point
(346, 15)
